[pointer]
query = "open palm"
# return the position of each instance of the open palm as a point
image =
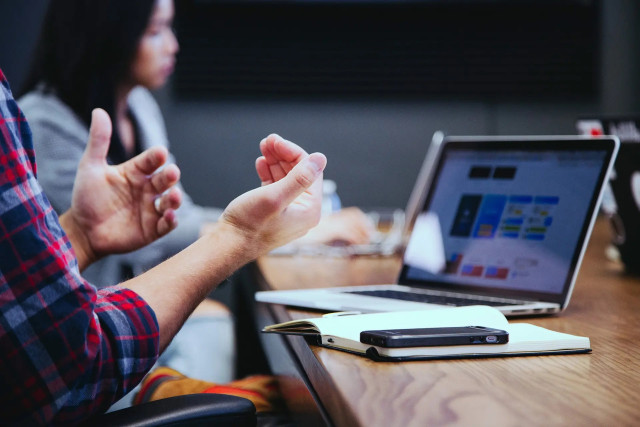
(124, 207)
(288, 202)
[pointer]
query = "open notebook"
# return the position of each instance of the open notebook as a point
(342, 332)
(513, 217)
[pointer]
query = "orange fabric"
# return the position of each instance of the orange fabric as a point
(262, 390)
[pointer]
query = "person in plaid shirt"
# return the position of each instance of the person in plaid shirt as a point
(68, 350)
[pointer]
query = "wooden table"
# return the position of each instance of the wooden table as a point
(326, 386)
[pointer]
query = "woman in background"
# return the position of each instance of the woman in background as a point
(110, 54)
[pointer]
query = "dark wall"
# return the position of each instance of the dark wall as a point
(19, 26)
(446, 49)
(374, 145)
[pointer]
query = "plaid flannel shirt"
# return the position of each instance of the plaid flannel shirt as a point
(67, 351)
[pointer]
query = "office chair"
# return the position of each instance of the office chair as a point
(202, 409)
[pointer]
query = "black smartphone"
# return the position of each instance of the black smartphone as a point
(426, 337)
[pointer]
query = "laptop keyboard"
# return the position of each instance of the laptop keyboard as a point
(433, 299)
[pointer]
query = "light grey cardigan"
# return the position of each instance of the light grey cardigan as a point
(60, 137)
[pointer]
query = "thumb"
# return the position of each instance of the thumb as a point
(301, 177)
(99, 136)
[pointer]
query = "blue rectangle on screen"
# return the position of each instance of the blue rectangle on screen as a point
(465, 215)
(547, 200)
(534, 236)
(520, 199)
(489, 215)
(514, 221)
(510, 235)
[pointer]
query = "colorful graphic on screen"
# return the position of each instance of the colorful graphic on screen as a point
(506, 220)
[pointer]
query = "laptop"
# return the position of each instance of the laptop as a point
(621, 200)
(514, 215)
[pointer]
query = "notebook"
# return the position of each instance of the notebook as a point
(342, 332)
(621, 200)
(514, 216)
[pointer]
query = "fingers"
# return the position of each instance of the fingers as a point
(275, 148)
(165, 178)
(166, 206)
(148, 161)
(301, 178)
(171, 200)
(99, 136)
(280, 156)
(167, 222)
(262, 167)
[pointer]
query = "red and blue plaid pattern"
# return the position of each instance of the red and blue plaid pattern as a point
(67, 351)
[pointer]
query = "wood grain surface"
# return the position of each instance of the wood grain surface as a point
(601, 388)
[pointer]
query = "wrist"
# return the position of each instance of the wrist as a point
(79, 240)
(242, 244)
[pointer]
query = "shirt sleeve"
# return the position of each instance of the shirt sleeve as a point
(68, 351)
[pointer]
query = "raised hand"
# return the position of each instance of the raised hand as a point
(289, 201)
(119, 208)
(349, 226)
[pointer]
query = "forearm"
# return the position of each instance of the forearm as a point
(175, 287)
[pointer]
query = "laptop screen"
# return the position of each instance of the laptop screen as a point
(513, 215)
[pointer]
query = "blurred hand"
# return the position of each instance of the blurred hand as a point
(287, 204)
(119, 208)
(348, 226)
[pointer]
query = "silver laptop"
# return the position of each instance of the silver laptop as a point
(513, 218)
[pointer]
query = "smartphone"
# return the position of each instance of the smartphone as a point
(426, 337)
